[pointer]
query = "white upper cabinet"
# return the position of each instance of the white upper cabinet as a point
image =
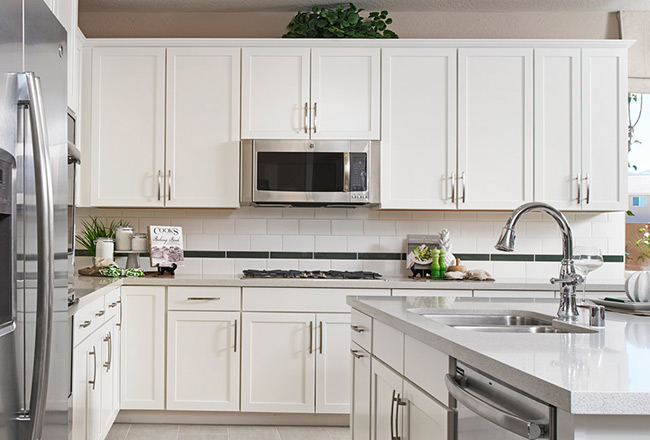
(345, 93)
(557, 128)
(202, 148)
(604, 129)
(322, 93)
(128, 126)
(275, 93)
(495, 127)
(418, 151)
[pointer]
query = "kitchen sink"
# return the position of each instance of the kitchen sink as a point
(507, 322)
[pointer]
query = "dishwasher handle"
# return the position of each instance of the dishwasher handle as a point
(524, 428)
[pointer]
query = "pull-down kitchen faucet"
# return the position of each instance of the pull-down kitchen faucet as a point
(568, 279)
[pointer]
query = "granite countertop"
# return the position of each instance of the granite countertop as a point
(583, 373)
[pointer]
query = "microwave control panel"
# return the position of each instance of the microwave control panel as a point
(359, 173)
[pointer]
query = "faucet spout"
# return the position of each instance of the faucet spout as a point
(568, 278)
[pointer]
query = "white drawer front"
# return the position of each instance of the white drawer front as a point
(112, 303)
(426, 367)
(262, 299)
(88, 319)
(388, 345)
(361, 329)
(203, 298)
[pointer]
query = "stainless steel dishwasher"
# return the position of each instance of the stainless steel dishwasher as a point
(490, 410)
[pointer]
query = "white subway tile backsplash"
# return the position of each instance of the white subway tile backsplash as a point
(615, 246)
(427, 215)
(346, 264)
(218, 226)
(202, 242)
(314, 264)
(581, 229)
(331, 213)
(144, 223)
(281, 264)
(266, 242)
(363, 244)
(363, 213)
(298, 243)
(202, 213)
(405, 227)
(250, 226)
(234, 242)
(392, 244)
(347, 227)
(283, 227)
(508, 269)
(244, 212)
(189, 225)
(244, 263)
(379, 227)
(607, 272)
(218, 266)
(608, 230)
(542, 270)
(315, 227)
(328, 243)
(453, 226)
(464, 245)
(193, 266)
(601, 243)
(477, 229)
(540, 229)
(265, 212)
(460, 215)
(298, 213)
(552, 245)
(395, 215)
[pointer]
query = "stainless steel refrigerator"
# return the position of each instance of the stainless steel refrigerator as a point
(34, 329)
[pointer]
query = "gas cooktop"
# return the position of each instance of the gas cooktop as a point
(312, 274)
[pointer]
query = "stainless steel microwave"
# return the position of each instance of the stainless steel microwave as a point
(309, 172)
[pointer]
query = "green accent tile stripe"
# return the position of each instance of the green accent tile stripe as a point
(613, 258)
(473, 257)
(335, 255)
(512, 257)
(548, 258)
(247, 254)
(204, 254)
(379, 256)
(293, 255)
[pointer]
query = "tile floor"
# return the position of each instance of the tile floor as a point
(221, 432)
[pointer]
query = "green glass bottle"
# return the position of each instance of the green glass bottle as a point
(435, 264)
(443, 266)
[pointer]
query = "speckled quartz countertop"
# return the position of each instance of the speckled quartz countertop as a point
(597, 373)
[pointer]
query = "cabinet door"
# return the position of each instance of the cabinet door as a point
(424, 417)
(202, 148)
(116, 365)
(108, 374)
(360, 405)
(333, 363)
(604, 121)
(495, 128)
(386, 387)
(418, 151)
(79, 391)
(128, 124)
(143, 348)
(278, 362)
(67, 15)
(203, 361)
(94, 400)
(275, 93)
(345, 91)
(557, 127)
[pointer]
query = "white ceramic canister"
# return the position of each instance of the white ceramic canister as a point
(104, 247)
(139, 242)
(637, 286)
(123, 236)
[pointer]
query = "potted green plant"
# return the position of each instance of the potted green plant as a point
(340, 22)
(94, 229)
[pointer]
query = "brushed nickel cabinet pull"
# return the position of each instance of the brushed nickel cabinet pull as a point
(320, 335)
(119, 324)
(203, 298)
(159, 184)
(94, 355)
(315, 116)
(112, 305)
(109, 340)
(398, 402)
(453, 187)
(85, 324)
(356, 354)
(588, 195)
(311, 337)
(235, 336)
(100, 313)
(579, 180)
(306, 117)
(357, 328)
(392, 416)
(169, 185)
(462, 177)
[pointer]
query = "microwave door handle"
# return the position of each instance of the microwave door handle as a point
(31, 96)
(520, 426)
(346, 172)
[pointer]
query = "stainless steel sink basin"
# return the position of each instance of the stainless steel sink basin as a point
(495, 322)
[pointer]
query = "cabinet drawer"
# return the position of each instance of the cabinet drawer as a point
(361, 329)
(432, 292)
(112, 303)
(203, 298)
(426, 367)
(298, 299)
(88, 319)
(388, 345)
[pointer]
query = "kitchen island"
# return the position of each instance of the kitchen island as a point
(597, 380)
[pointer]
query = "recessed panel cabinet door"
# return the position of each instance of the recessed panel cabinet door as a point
(202, 151)
(80, 385)
(386, 386)
(360, 406)
(95, 381)
(345, 93)
(333, 363)
(418, 151)
(143, 348)
(278, 362)
(424, 417)
(108, 374)
(128, 126)
(495, 128)
(557, 128)
(604, 152)
(203, 361)
(275, 93)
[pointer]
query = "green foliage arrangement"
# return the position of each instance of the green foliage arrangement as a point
(94, 229)
(340, 22)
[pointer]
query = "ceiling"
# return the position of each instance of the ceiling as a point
(390, 5)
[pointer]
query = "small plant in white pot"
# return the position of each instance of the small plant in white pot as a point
(637, 286)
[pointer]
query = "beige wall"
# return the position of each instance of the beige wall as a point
(591, 25)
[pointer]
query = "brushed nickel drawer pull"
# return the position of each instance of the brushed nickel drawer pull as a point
(203, 298)
(85, 324)
(356, 354)
(112, 305)
(100, 313)
(357, 328)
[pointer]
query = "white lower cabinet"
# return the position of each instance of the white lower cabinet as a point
(423, 417)
(360, 403)
(278, 362)
(110, 400)
(333, 363)
(143, 347)
(203, 360)
(386, 386)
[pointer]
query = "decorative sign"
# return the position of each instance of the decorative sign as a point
(166, 246)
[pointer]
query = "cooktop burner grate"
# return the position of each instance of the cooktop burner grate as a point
(313, 274)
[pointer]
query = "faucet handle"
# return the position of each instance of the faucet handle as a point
(570, 279)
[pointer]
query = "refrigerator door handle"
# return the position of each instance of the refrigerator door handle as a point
(31, 97)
